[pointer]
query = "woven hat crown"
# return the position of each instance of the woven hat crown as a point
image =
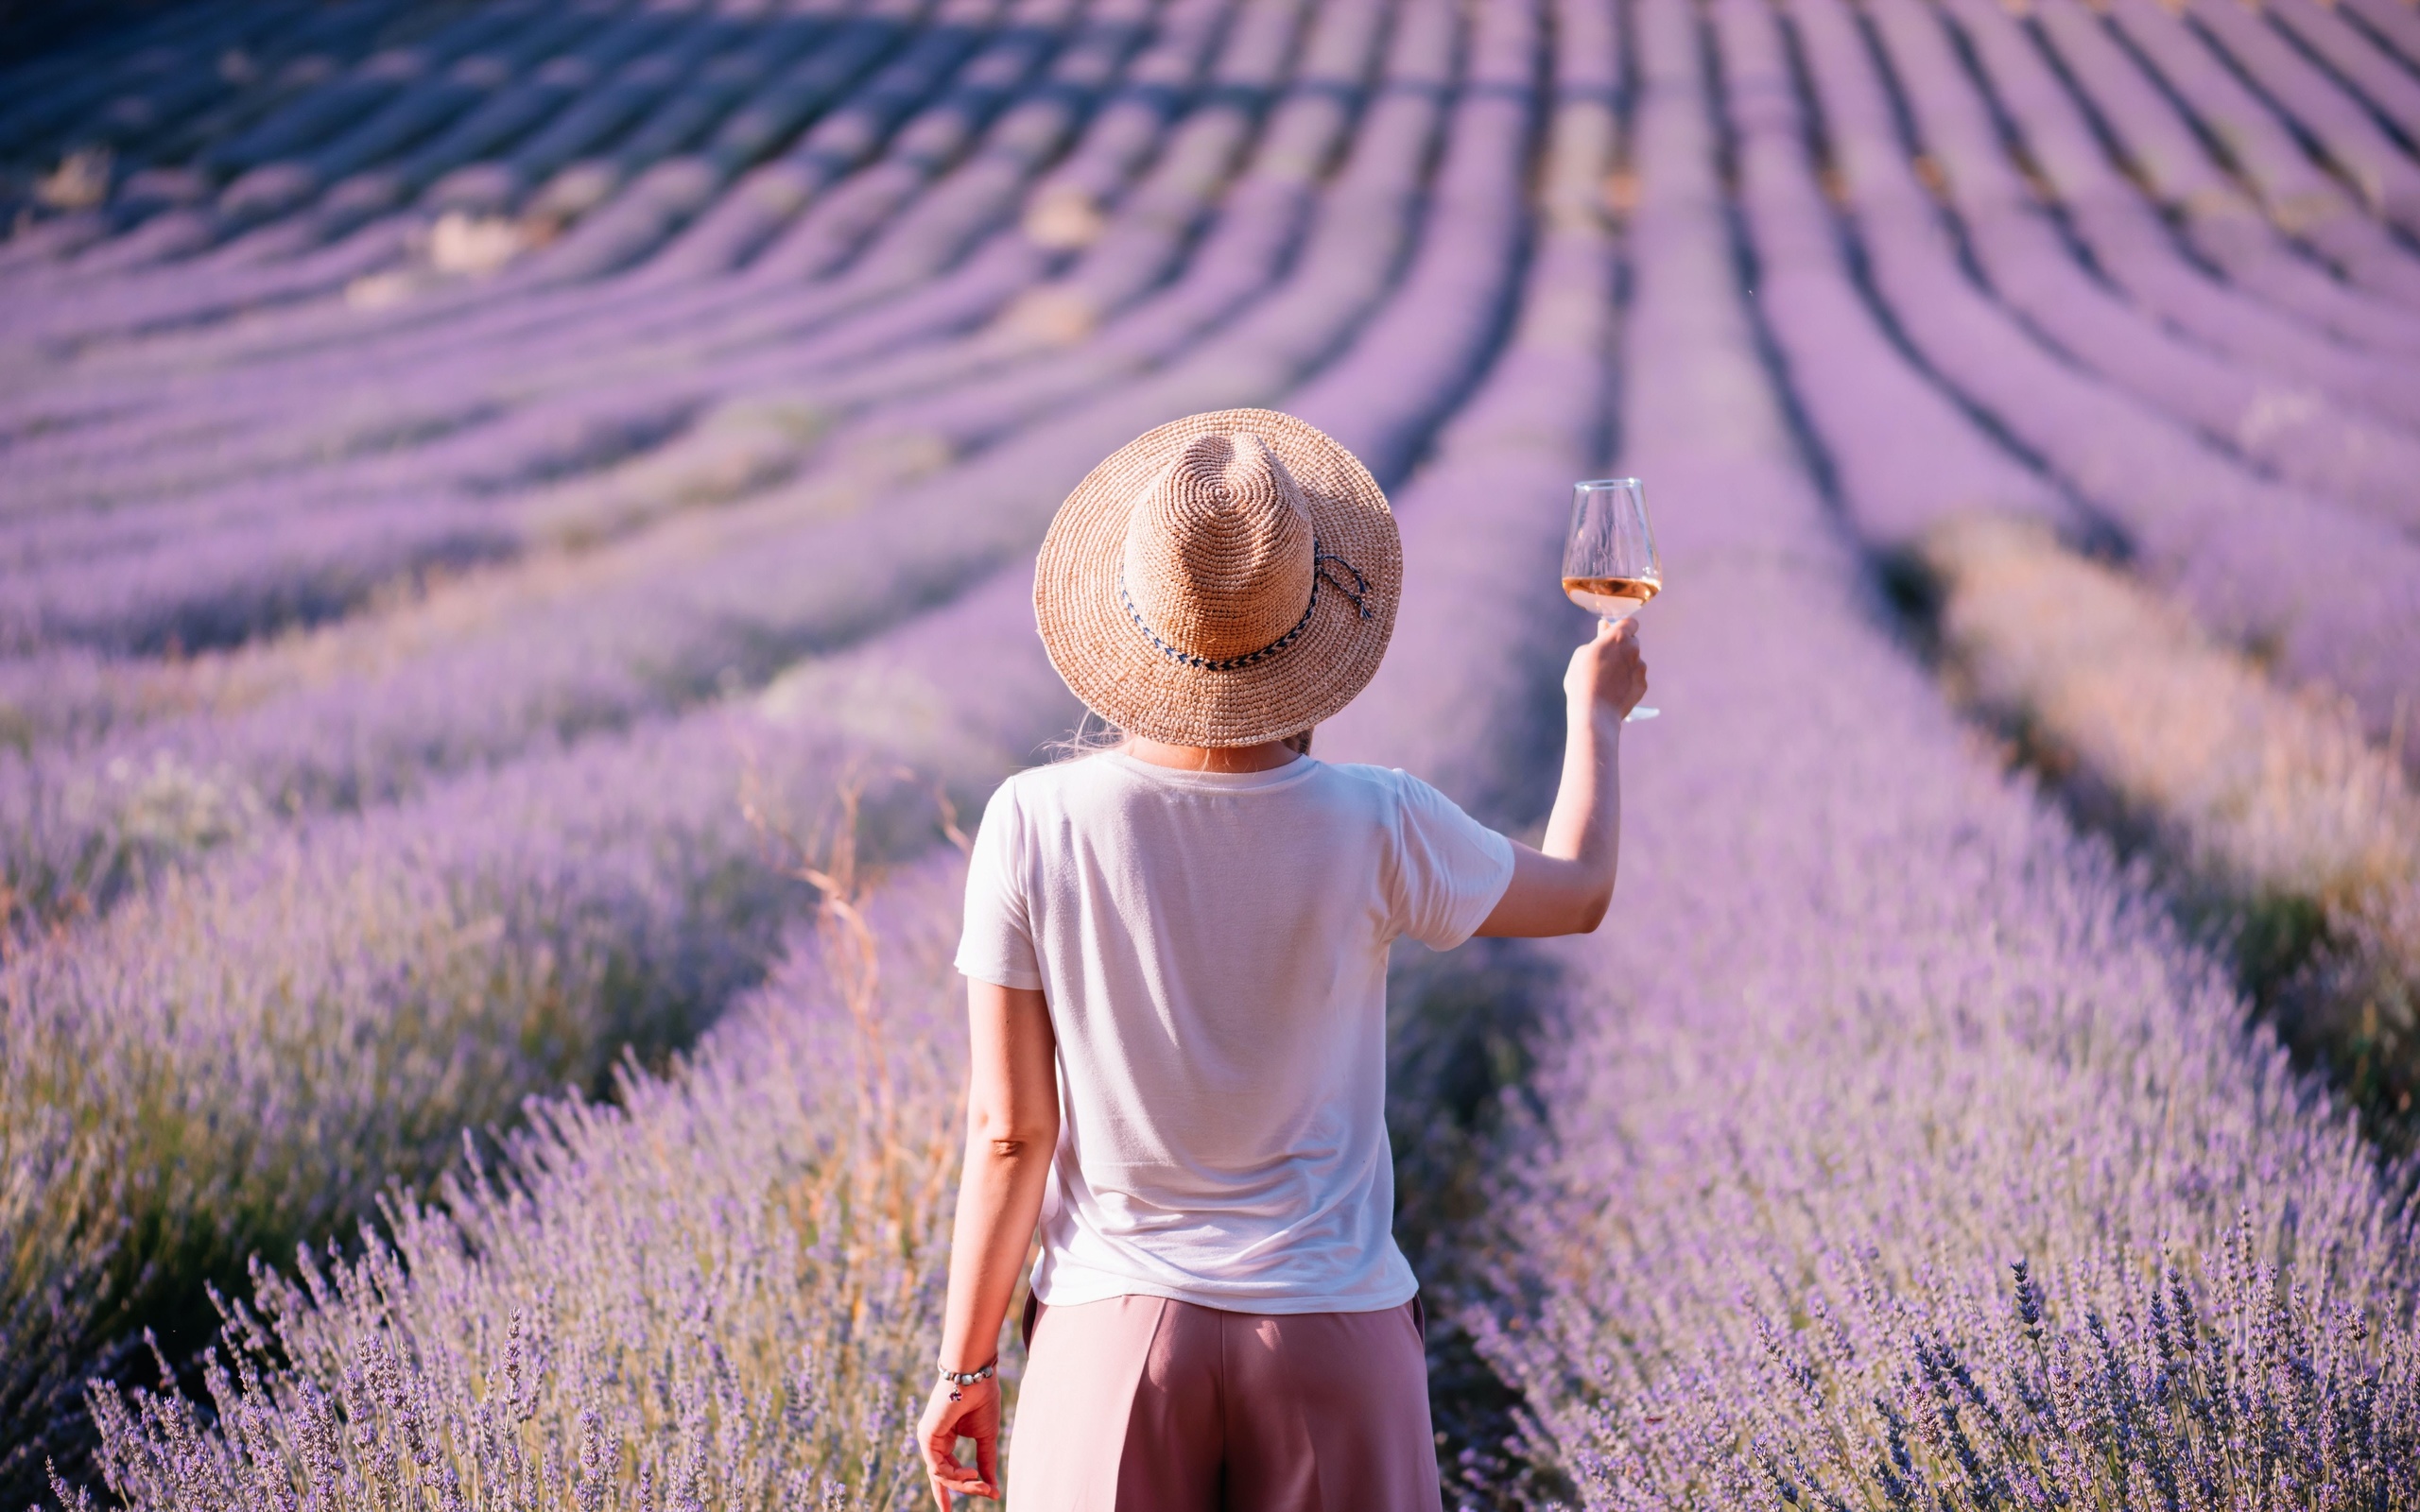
(1219, 552)
(1222, 579)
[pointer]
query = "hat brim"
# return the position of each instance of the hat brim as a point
(1109, 664)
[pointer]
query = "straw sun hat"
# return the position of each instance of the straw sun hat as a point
(1224, 579)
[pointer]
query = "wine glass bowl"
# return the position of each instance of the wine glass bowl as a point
(1610, 567)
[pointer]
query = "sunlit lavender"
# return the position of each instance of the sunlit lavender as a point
(516, 540)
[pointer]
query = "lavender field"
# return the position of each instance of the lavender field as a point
(516, 524)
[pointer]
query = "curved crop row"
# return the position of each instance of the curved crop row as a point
(2259, 560)
(1962, 1187)
(631, 898)
(243, 1058)
(185, 570)
(1893, 1146)
(472, 677)
(813, 1210)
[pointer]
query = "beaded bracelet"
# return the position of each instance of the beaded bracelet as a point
(967, 1377)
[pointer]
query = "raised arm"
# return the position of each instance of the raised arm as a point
(1566, 887)
(1012, 1130)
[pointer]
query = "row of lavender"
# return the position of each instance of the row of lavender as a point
(2347, 625)
(751, 1126)
(1938, 221)
(558, 894)
(614, 890)
(1468, 253)
(1963, 1186)
(2279, 817)
(905, 341)
(2292, 403)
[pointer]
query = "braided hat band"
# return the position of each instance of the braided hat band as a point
(1224, 579)
(1328, 562)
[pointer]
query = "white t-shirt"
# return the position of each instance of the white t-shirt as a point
(1212, 947)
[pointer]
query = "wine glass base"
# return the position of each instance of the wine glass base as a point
(1641, 711)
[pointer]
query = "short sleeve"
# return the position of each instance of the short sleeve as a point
(998, 945)
(1450, 869)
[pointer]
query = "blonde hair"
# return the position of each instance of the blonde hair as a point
(1093, 734)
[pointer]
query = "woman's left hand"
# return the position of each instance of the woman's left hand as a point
(976, 1415)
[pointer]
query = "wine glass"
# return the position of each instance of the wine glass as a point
(1609, 565)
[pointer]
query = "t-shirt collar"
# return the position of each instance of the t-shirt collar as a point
(1286, 776)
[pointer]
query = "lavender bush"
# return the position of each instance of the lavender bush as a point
(2279, 813)
(2297, 191)
(255, 1051)
(478, 675)
(2100, 114)
(306, 1197)
(810, 1145)
(1766, 1250)
(91, 588)
(2272, 405)
(2126, 240)
(2341, 126)
(481, 485)
(2330, 606)
(2389, 31)
(156, 1455)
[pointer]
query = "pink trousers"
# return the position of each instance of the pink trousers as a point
(1144, 1404)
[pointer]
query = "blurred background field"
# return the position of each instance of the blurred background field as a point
(516, 524)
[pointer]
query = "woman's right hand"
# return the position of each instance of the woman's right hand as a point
(976, 1415)
(1566, 885)
(1608, 672)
